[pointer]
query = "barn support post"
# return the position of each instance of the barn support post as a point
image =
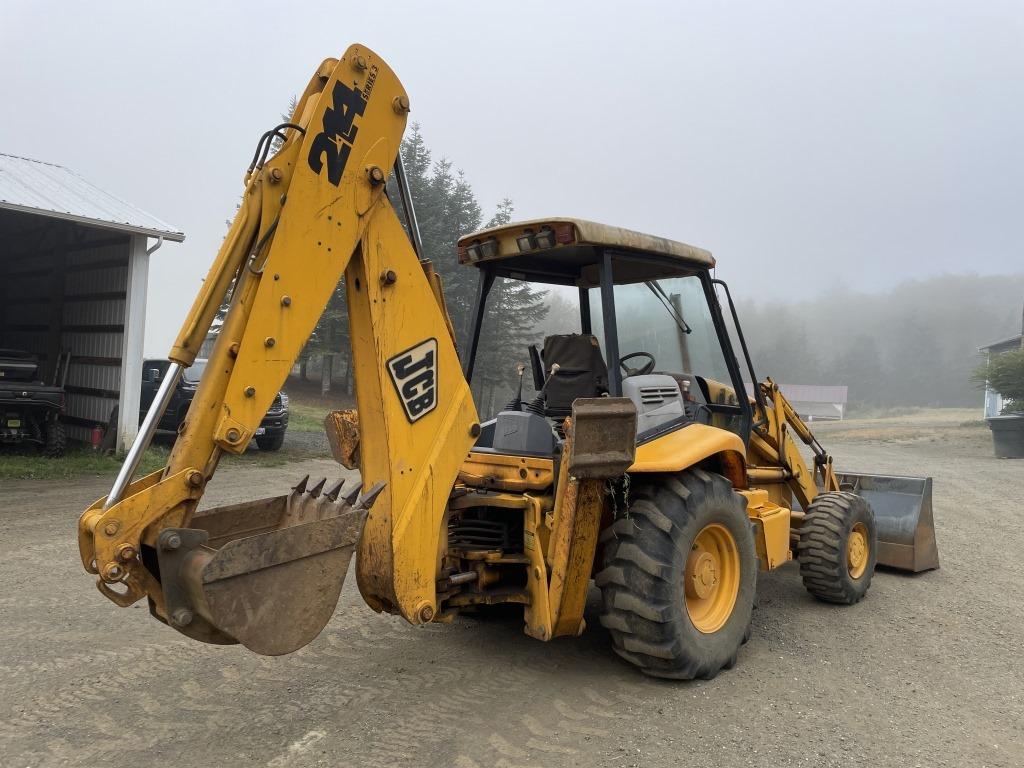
(132, 345)
(58, 261)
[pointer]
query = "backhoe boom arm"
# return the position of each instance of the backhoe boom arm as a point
(314, 211)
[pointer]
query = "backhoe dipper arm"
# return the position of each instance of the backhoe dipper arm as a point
(314, 211)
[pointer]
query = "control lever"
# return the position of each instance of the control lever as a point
(516, 403)
(537, 404)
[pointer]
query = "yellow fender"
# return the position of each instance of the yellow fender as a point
(689, 446)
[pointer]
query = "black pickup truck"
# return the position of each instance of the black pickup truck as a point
(30, 409)
(269, 435)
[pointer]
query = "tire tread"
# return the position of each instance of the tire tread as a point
(638, 578)
(821, 549)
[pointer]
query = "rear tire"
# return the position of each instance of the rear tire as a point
(679, 576)
(838, 547)
(270, 442)
(55, 439)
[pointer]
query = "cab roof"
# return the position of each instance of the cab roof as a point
(567, 250)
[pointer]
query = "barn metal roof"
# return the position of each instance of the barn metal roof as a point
(32, 186)
(1013, 341)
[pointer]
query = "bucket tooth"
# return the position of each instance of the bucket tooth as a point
(351, 496)
(301, 486)
(332, 494)
(367, 499)
(315, 490)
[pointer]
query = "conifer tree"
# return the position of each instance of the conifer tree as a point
(446, 208)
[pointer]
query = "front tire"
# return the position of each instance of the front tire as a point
(270, 442)
(679, 577)
(838, 547)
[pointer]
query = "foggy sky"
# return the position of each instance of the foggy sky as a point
(811, 146)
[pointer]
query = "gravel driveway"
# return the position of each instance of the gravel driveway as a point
(925, 671)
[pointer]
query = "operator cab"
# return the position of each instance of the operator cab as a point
(651, 326)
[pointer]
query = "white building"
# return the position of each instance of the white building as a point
(993, 400)
(814, 401)
(74, 264)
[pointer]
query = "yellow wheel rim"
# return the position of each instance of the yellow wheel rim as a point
(857, 551)
(712, 578)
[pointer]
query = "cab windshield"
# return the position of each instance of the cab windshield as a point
(670, 320)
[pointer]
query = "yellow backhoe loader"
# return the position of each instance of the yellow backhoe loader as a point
(641, 463)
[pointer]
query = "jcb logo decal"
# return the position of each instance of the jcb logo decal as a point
(414, 374)
(334, 142)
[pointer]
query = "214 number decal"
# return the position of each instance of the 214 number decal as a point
(414, 374)
(334, 143)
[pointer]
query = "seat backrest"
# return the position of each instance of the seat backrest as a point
(581, 371)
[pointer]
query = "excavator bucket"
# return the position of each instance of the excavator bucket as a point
(266, 574)
(903, 518)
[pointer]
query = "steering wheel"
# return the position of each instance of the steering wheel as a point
(643, 370)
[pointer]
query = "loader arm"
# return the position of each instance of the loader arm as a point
(775, 455)
(901, 506)
(268, 573)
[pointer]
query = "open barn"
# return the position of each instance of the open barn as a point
(74, 266)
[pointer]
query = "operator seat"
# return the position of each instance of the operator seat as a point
(581, 371)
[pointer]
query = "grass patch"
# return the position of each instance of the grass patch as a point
(75, 463)
(80, 462)
(303, 417)
(974, 424)
(292, 451)
(858, 411)
(881, 435)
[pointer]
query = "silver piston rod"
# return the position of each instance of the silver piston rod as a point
(405, 193)
(145, 436)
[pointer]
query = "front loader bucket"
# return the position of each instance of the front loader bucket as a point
(266, 574)
(903, 518)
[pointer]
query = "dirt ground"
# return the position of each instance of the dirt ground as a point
(926, 671)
